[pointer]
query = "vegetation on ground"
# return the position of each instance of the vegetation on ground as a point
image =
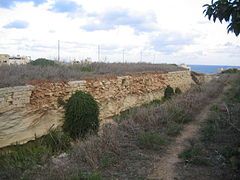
(43, 62)
(44, 69)
(231, 71)
(15, 160)
(151, 140)
(216, 151)
(128, 147)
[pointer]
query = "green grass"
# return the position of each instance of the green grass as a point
(195, 155)
(86, 69)
(86, 176)
(153, 141)
(23, 157)
(107, 160)
(209, 130)
(179, 115)
(129, 112)
(173, 129)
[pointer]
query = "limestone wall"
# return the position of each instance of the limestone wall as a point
(30, 111)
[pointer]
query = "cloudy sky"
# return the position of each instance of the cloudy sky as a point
(156, 31)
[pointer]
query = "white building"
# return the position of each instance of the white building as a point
(185, 66)
(17, 60)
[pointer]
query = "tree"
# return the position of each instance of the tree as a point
(228, 10)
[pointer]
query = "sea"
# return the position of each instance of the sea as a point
(210, 69)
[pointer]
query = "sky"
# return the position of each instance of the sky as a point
(156, 31)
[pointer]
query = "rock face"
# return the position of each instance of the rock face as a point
(28, 112)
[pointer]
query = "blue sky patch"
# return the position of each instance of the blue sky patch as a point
(64, 6)
(18, 24)
(11, 3)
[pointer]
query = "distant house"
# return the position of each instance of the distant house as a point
(4, 58)
(88, 60)
(185, 66)
(17, 60)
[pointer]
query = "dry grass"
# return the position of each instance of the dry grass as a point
(145, 127)
(216, 155)
(22, 74)
(121, 151)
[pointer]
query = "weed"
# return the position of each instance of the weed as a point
(86, 69)
(107, 159)
(18, 158)
(150, 140)
(173, 129)
(194, 155)
(214, 108)
(86, 176)
(178, 91)
(154, 102)
(209, 130)
(49, 70)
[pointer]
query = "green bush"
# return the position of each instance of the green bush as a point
(230, 71)
(57, 141)
(43, 62)
(168, 93)
(149, 140)
(178, 91)
(173, 129)
(86, 176)
(195, 155)
(81, 115)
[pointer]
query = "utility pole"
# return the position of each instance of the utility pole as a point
(123, 56)
(58, 50)
(98, 53)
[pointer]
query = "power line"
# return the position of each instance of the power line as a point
(98, 53)
(58, 50)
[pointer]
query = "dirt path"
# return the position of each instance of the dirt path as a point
(164, 169)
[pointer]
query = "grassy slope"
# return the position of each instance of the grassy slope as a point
(128, 148)
(216, 154)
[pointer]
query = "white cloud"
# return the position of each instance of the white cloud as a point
(167, 31)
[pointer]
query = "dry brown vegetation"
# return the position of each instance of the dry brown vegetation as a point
(22, 74)
(216, 153)
(129, 147)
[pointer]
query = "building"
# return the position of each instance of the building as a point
(4, 58)
(17, 60)
(185, 66)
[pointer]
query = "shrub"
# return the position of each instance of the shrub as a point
(57, 141)
(43, 62)
(178, 91)
(195, 155)
(173, 129)
(150, 140)
(81, 115)
(108, 159)
(168, 93)
(230, 71)
(89, 176)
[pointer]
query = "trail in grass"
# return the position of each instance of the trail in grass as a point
(164, 169)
